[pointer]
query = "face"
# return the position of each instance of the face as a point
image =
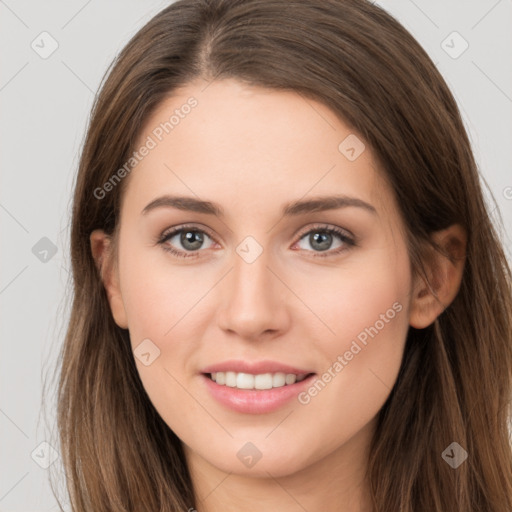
(282, 267)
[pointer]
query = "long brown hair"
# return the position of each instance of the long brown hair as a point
(455, 380)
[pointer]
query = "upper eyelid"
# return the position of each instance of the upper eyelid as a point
(326, 227)
(192, 227)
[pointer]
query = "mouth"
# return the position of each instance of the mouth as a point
(260, 381)
(255, 387)
(255, 393)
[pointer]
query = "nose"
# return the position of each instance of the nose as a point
(254, 300)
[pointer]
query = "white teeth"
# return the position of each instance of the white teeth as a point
(263, 381)
(230, 379)
(245, 381)
(278, 380)
(260, 381)
(290, 378)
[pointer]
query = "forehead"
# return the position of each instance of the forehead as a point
(249, 147)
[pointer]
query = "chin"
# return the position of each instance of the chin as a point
(254, 459)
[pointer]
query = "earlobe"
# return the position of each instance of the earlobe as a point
(445, 272)
(101, 247)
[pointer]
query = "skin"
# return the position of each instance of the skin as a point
(252, 150)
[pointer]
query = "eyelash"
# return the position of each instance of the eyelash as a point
(346, 239)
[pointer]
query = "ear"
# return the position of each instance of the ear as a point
(445, 276)
(101, 247)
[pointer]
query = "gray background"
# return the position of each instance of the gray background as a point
(45, 105)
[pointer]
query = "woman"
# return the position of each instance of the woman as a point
(288, 291)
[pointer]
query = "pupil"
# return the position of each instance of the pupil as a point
(323, 239)
(191, 240)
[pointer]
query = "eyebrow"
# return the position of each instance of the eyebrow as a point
(299, 207)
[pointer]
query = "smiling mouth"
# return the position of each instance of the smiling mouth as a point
(260, 381)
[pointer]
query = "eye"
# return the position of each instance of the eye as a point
(190, 238)
(321, 239)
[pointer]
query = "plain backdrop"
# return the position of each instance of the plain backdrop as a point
(45, 102)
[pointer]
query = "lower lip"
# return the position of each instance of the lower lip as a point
(255, 401)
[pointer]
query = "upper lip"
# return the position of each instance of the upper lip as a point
(255, 367)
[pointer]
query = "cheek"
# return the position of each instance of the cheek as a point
(157, 296)
(165, 304)
(365, 299)
(366, 311)
(159, 302)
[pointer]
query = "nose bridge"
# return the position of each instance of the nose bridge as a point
(252, 299)
(251, 277)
